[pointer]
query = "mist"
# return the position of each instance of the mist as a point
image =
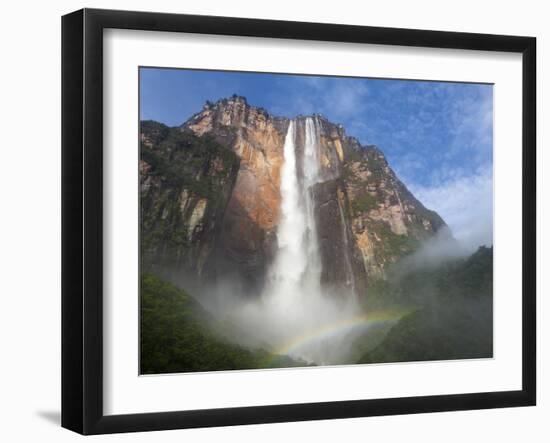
(319, 326)
(310, 326)
(293, 315)
(439, 249)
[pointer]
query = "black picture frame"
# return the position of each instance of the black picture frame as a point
(82, 219)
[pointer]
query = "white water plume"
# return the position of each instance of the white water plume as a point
(297, 264)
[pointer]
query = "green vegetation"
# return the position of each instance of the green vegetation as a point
(452, 318)
(473, 277)
(379, 294)
(363, 203)
(470, 278)
(182, 159)
(398, 244)
(370, 158)
(353, 154)
(452, 331)
(177, 335)
(392, 245)
(181, 169)
(377, 164)
(155, 131)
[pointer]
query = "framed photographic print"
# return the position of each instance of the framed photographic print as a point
(271, 221)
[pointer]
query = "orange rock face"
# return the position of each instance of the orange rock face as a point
(252, 215)
(258, 141)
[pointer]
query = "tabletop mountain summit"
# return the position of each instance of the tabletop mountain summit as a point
(213, 193)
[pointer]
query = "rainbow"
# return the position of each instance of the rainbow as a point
(369, 320)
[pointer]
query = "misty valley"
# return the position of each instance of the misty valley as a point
(271, 242)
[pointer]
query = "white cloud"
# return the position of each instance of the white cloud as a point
(466, 204)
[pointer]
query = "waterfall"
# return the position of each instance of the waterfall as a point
(297, 265)
(295, 316)
(350, 279)
(311, 176)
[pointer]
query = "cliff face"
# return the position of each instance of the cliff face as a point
(185, 184)
(366, 218)
(387, 221)
(248, 233)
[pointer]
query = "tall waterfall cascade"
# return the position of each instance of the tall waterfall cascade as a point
(297, 265)
(297, 317)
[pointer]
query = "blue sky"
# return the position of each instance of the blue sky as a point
(437, 136)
